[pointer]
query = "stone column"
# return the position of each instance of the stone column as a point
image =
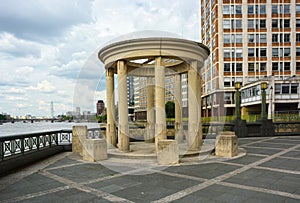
(178, 109)
(160, 112)
(110, 127)
(199, 100)
(123, 129)
(193, 123)
(150, 111)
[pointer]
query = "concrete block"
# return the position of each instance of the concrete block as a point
(227, 144)
(94, 150)
(79, 134)
(167, 152)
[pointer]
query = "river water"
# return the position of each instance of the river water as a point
(20, 127)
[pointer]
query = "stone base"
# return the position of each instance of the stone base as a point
(167, 152)
(227, 145)
(94, 150)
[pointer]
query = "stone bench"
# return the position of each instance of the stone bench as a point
(94, 150)
(227, 144)
(167, 152)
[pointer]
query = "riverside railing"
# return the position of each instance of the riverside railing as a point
(14, 145)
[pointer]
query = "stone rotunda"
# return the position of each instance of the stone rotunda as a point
(154, 58)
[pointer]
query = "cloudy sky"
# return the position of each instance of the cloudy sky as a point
(48, 48)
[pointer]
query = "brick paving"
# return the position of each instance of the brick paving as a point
(269, 172)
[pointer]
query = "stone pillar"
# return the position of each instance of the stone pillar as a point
(160, 112)
(110, 100)
(79, 134)
(199, 100)
(150, 134)
(123, 128)
(193, 123)
(178, 109)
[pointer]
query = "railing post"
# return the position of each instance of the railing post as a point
(50, 140)
(38, 142)
(56, 137)
(1, 150)
(22, 145)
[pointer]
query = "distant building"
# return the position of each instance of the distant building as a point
(77, 111)
(100, 107)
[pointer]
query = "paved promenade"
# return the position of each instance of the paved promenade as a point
(269, 172)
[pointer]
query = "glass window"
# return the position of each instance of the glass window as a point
(294, 88)
(239, 53)
(262, 9)
(263, 38)
(226, 53)
(263, 52)
(286, 8)
(274, 23)
(226, 38)
(226, 67)
(238, 23)
(297, 8)
(238, 9)
(251, 38)
(250, 9)
(275, 66)
(274, 9)
(263, 23)
(298, 37)
(275, 52)
(287, 52)
(251, 67)
(239, 38)
(226, 24)
(277, 88)
(250, 24)
(287, 66)
(297, 51)
(285, 88)
(286, 23)
(226, 9)
(251, 52)
(298, 66)
(263, 67)
(286, 37)
(239, 67)
(275, 37)
(298, 23)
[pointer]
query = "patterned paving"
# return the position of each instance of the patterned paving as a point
(270, 172)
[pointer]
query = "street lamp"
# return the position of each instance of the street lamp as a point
(263, 87)
(237, 86)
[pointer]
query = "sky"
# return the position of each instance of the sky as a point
(48, 48)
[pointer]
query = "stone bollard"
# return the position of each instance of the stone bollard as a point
(94, 150)
(79, 134)
(167, 152)
(227, 144)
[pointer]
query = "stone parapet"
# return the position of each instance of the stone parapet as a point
(79, 134)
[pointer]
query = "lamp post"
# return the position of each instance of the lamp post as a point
(237, 86)
(263, 87)
(270, 113)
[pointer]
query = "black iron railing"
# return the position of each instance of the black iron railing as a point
(14, 145)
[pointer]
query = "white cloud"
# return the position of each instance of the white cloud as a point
(44, 86)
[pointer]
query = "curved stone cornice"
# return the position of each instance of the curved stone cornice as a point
(144, 48)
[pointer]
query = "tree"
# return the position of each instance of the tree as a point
(170, 109)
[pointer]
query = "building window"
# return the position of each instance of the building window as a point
(251, 52)
(287, 66)
(298, 66)
(285, 88)
(262, 9)
(297, 51)
(297, 8)
(274, 23)
(226, 9)
(226, 38)
(263, 38)
(274, 66)
(275, 37)
(275, 52)
(298, 23)
(277, 88)
(239, 53)
(226, 24)
(226, 53)
(250, 38)
(274, 9)
(262, 23)
(287, 52)
(238, 9)
(226, 67)
(250, 9)
(239, 67)
(294, 88)
(263, 67)
(238, 24)
(250, 67)
(239, 38)
(286, 23)
(250, 24)
(287, 38)
(263, 52)
(287, 9)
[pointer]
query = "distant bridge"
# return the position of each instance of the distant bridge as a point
(30, 120)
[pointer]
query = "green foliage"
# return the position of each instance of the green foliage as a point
(2, 117)
(101, 119)
(170, 109)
